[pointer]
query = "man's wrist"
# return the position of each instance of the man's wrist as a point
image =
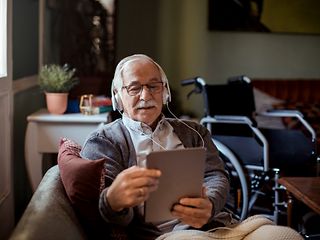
(110, 203)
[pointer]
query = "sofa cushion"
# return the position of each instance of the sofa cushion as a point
(82, 180)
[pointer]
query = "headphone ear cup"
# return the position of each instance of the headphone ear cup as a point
(165, 96)
(118, 100)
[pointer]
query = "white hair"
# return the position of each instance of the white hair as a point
(117, 82)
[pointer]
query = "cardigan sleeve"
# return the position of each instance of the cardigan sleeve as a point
(216, 177)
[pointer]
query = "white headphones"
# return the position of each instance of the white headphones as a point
(117, 81)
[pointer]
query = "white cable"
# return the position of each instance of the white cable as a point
(163, 148)
(185, 124)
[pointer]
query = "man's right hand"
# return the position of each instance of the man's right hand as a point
(132, 187)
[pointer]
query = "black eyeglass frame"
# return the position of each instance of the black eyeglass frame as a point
(151, 89)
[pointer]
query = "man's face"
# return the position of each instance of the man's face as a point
(145, 106)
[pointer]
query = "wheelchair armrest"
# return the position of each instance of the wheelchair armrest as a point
(281, 113)
(228, 119)
(290, 113)
(231, 119)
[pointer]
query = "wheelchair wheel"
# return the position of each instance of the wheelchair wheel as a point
(238, 199)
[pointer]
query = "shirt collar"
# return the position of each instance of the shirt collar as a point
(138, 126)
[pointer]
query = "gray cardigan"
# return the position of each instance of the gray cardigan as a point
(113, 142)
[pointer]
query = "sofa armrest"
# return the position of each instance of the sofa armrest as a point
(49, 215)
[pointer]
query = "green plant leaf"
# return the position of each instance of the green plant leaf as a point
(57, 79)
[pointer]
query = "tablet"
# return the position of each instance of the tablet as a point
(182, 176)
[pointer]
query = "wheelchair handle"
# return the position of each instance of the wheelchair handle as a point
(241, 78)
(199, 85)
(188, 82)
(196, 80)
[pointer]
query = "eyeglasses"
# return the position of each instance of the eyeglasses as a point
(136, 89)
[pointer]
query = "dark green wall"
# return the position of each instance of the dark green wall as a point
(25, 103)
(137, 27)
(25, 63)
(25, 38)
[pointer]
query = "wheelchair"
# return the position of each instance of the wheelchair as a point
(255, 157)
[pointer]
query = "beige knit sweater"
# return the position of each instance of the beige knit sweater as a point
(255, 227)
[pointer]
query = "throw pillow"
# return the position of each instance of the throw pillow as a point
(265, 102)
(82, 179)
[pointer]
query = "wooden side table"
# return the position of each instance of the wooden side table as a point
(304, 189)
(45, 130)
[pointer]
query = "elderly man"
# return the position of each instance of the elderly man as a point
(139, 90)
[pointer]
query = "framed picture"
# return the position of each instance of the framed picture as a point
(273, 16)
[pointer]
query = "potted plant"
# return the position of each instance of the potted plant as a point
(56, 82)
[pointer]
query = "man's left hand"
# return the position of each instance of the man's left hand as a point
(195, 212)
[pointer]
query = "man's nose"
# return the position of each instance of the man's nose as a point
(145, 93)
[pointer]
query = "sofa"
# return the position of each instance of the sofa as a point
(294, 94)
(49, 214)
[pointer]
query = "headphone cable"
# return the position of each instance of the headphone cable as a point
(167, 104)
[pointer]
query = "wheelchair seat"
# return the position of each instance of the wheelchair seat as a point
(289, 150)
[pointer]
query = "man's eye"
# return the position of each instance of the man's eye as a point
(152, 87)
(134, 88)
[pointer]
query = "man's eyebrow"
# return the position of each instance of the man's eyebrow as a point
(132, 83)
(152, 80)
(155, 80)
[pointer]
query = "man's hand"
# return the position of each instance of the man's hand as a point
(132, 187)
(195, 212)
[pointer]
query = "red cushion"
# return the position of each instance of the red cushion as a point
(82, 180)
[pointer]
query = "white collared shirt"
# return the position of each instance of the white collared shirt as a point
(146, 141)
